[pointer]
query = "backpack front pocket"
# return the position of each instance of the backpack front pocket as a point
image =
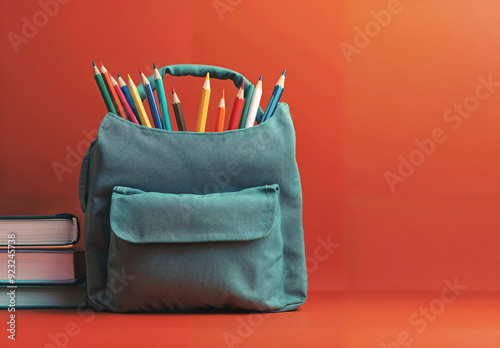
(174, 252)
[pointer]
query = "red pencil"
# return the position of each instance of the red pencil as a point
(221, 113)
(112, 92)
(239, 101)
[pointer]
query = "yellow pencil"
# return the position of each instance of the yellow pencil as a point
(138, 103)
(203, 110)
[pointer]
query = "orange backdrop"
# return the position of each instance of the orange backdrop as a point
(396, 106)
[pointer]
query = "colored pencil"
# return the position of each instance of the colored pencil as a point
(128, 96)
(275, 97)
(203, 109)
(160, 92)
(123, 100)
(221, 113)
(102, 89)
(151, 101)
(254, 104)
(179, 116)
(138, 103)
(246, 106)
(237, 108)
(112, 92)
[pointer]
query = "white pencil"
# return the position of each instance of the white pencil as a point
(254, 104)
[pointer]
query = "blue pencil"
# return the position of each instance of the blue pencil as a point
(128, 96)
(275, 97)
(160, 92)
(151, 101)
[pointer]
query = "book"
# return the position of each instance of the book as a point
(45, 296)
(61, 230)
(46, 266)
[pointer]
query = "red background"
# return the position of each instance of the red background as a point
(354, 116)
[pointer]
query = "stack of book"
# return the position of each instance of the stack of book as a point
(39, 262)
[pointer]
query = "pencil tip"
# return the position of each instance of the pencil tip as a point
(208, 76)
(140, 72)
(154, 65)
(144, 79)
(93, 63)
(101, 64)
(129, 77)
(173, 90)
(118, 75)
(243, 85)
(284, 72)
(260, 78)
(223, 93)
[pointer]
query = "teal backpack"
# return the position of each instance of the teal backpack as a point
(183, 221)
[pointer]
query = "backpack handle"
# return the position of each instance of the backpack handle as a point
(201, 71)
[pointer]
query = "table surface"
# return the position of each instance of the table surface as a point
(325, 320)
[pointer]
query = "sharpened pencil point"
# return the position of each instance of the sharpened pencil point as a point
(129, 77)
(243, 85)
(284, 72)
(140, 72)
(144, 79)
(154, 65)
(260, 78)
(93, 63)
(101, 64)
(208, 76)
(173, 90)
(118, 75)
(223, 93)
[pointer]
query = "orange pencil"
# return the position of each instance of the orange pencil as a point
(239, 101)
(112, 92)
(221, 113)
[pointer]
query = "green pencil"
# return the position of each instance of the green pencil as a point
(102, 89)
(160, 92)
